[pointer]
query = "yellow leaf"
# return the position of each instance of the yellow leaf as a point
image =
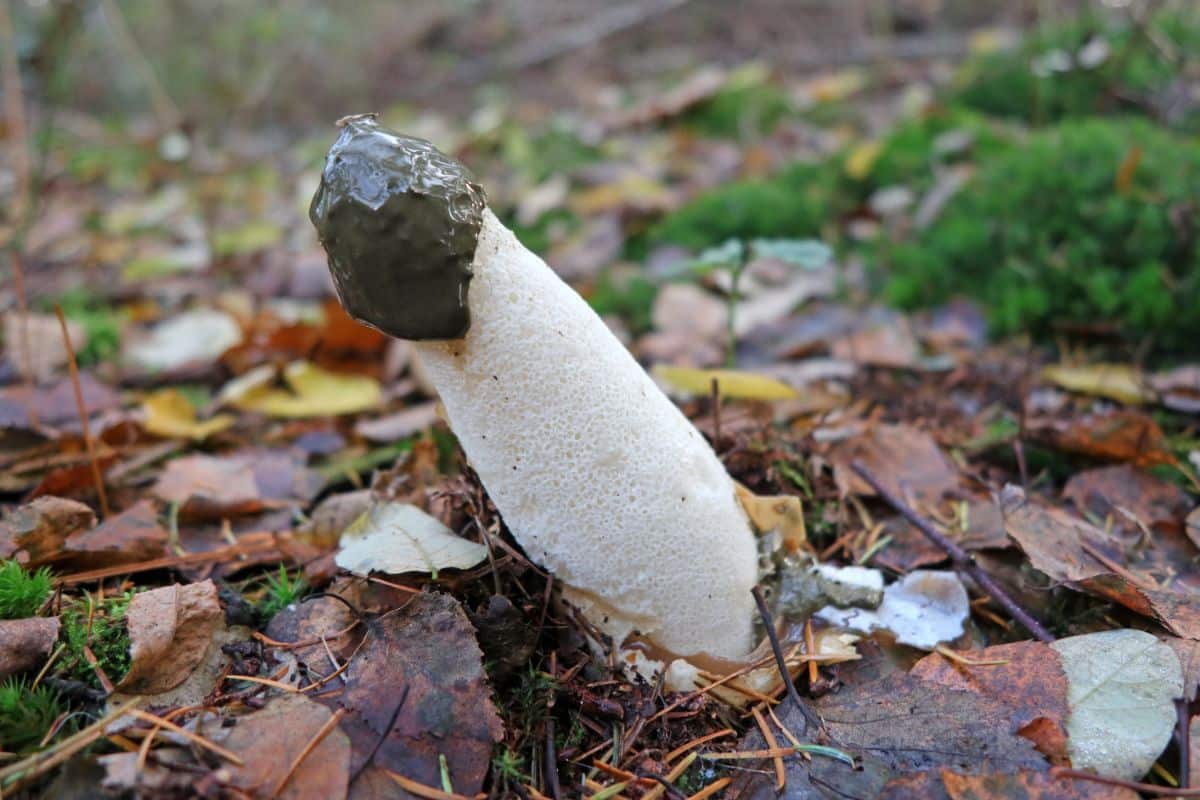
(776, 512)
(862, 159)
(168, 413)
(730, 383)
(311, 392)
(1119, 382)
(1128, 169)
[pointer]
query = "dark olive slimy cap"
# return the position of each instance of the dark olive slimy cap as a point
(399, 221)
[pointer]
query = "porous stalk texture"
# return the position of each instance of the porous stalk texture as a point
(597, 474)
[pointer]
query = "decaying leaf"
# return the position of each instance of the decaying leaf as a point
(311, 392)
(416, 691)
(1120, 382)
(1122, 435)
(922, 609)
(47, 352)
(25, 644)
(730, 383)
(270, 739)
(1121, 688)
(944, 784)
(240, 483)
(783, 513)
(133, 535)
(1132, 497)
(170, 414)
(170, 630)
(398, 537)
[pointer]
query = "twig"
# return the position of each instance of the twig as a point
(317, 738)
(379, 742)
(810, 717)
(160, 722)
(716, 413)
(45, 760)
(421, 790)
(961, 559)
(773, 744)
(552, 762)
(83, 416)
(1145, 788)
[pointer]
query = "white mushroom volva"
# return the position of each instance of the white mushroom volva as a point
(598, 475)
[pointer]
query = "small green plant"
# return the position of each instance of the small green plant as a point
(26, 714)
(630, 297)
(101, 325)
(1093, 64)
(282, 591)
(793, 204)
(100, 627)
(1078, 226)
(22, 593)
(509, 767)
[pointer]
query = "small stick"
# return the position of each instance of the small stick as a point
(810, 644)
(710, 790)
(552, 762)
(160, 722)
(44, 760)
(83, 417)
(961, 559)
(716, 413)
(317, 738)
(773, 744)
(1144, 788)
(810, 717)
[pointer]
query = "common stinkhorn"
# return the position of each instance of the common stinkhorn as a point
(596, 473)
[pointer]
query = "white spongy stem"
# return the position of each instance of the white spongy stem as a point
(597, 474)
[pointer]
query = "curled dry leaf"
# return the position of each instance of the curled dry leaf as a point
(36, 533)
(170, 630)
(26, 643)
(1121, 688)
(398, 537)
(271, 739)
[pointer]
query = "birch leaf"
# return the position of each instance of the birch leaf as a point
(398, 537)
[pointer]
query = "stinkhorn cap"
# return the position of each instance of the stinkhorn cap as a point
(399, 221)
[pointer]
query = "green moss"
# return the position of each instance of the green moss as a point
(100, 627)
(793, 204)
(282, 591)
(22, 593)
(100, 323)
(739, 111)
(631, 298)
(1044, 236)
(26, 714)
(1028, 84)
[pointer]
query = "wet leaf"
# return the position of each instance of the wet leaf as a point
(271, 739)
(732, 384)
(397, 538)
(1121, 687)
(1120, 382)
(311, 392)
(906, 460)
(170, 630)
(169, 413)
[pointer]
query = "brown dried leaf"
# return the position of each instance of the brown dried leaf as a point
(133, 535)
(26, 643)
(271, 739)
(949, 785)
(1123, 435)
(889, 344)
(241, 483)
(1130, 495)
(391, 427)
(35, 533)
(170, 630)
(906, 460)
(417, 690)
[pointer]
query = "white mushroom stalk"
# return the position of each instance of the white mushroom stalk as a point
(596, 473)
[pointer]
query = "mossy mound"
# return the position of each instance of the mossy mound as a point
(1082, 224)
(1095, 64)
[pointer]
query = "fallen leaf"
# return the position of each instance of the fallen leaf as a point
(922, 609)
(397, 538)
(335, 514)
(1120, 382)
(249, 238)
(731, 384)
(1179, 389)
(1121, 688)
(199, 336)
(1132, 497)
(131, 536)
(861, 159)
(907, 461)
(783, 513)
(47, 352)
(25, 644)
(890, 344)
(946, 784)
(393, 427)
(271, 739)
(417, 691)
(1123, 435)
(55, 405)
(36, 532)
(169, 413)
(244, 482)
(1029, 681)
(170, 630)
(311, 392)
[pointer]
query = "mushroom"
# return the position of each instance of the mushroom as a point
(596, 473)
